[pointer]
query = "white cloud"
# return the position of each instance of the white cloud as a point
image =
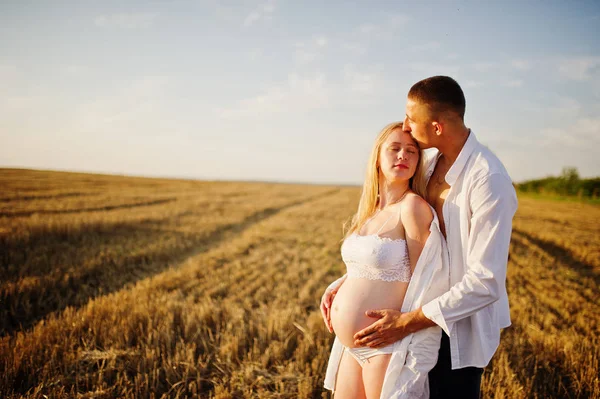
(566, 106)
(472, 84)
(579, 68)
(34, 113)
(26, 108)
(354, 48)
(358, 41)
(302, 93)
(126, 20)
(226, 13)
(367, 28)
(571, 137)
(14, 104)
(298, 94)
(251, 18)
(522, 65)
(484, 66)
(386, 29)
(397, 20)
(427, 69)
(134, 109)
(262, 12)
(555, 105)
(587, 131)
(514, 83)
(427, 46)
(321, 41)
(7, 71)
(583, 134)
(255, 53)
(76, 69)
(360, 82)
(8, 75)
(307, 52)
(547, 150)
(303, 56)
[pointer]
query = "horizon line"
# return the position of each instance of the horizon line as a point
(211, 179)
(173, 177)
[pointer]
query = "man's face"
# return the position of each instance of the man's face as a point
(418, 123)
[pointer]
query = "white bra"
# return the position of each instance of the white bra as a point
(376, 258)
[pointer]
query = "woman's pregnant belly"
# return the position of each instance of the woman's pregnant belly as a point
(355, 297)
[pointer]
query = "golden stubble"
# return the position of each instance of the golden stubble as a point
(132, 287)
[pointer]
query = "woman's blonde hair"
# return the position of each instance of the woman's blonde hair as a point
(369, 198)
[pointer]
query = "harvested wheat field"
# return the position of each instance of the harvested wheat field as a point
(123, 287)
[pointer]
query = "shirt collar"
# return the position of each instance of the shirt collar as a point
(458, 165)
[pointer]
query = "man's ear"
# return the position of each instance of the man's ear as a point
(438, 128)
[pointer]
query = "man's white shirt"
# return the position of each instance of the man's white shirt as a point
(478, 213)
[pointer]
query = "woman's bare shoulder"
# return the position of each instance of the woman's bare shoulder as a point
(416, 213)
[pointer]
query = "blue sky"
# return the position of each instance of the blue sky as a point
(289, 91)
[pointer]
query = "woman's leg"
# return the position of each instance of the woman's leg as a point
(373, 373)
(348, 383)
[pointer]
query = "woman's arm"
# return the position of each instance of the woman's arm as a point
(416, 218)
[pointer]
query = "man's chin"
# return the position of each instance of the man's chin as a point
(424, 146)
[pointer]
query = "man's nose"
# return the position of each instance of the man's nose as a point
(405, 126)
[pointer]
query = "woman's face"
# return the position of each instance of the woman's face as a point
(398, 156)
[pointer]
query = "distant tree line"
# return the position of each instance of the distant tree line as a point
(568, 184)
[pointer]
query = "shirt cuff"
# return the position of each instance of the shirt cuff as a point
(433, 312)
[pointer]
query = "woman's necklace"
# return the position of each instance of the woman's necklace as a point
(395, 202)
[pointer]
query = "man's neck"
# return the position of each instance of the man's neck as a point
(453, 144)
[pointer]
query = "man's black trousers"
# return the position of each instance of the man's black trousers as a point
(447, 383)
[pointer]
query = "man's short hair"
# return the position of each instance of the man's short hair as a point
(441, 94)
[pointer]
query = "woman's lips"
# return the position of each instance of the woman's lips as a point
(401, 166)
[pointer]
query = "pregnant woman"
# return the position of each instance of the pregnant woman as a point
(381, 250)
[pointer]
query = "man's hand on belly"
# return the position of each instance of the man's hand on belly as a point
(391, 326)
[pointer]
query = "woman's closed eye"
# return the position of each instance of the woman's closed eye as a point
(406, 151)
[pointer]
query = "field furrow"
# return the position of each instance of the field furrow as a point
(48, 265)
(216, 293)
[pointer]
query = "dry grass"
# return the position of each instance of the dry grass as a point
(130, 287)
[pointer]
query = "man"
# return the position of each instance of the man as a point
(475, 201)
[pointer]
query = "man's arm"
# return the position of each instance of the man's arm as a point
(493, 205)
